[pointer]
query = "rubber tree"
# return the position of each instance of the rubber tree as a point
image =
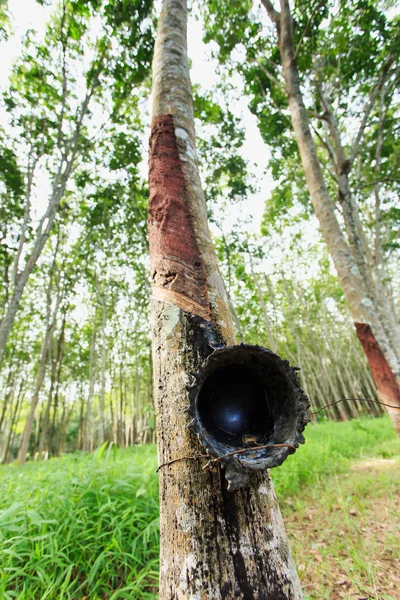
(377, 346)
(214, 543)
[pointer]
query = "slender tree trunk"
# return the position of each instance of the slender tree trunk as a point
(92, 381)
(43, 230)
(382, 359)
(101, 291)
(113, 437)
(14, 420)
(39, 243)
(9, 390)
(46, 417)
(214, 543)
(357, 239)
(270, 335)
(81, 433)
(11, 408)
(35, 398)
(103, 363)
(121, 424)
(65, 419)
(60, 352)
(46, 345)
(125, 421)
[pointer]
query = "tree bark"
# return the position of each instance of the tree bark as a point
(35, 398)
(9, 390)
(214, 543)
(46, 417)
(14, 420)
(357, 239)
(357, 297)
(59, 359)
(103, 363)
(92, 382)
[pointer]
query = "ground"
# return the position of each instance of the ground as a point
(85, 527)
(345, 534)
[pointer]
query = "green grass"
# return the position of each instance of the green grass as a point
(86, 527)
(329, 448)
(80, 526)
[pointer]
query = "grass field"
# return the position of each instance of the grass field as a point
(86, 526)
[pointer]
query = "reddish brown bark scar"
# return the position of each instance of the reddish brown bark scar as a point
(177, 268)
(384, 379)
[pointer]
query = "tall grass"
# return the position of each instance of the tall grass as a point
(80, 527)
(86, 526)
(328, 449)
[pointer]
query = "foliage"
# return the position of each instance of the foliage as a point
(348, 61)
(220, 138)
(95, 59)
(4, 20)
(65, 102)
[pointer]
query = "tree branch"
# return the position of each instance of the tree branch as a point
(327, 146)
(306, 29)
(375, 181)
(273, 14)
(373, 95)
(269, 75)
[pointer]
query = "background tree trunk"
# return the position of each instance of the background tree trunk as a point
(35, 397)
(92, 382)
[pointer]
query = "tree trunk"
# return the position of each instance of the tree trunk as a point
(14, 420)
(271, 339)
(60, 352)
(214, 543)
(381, 357)
(103, 364)
(81, 431)
(92, 381)
(113, 437)
(65, 419)
(9, 390)
(43, 230)
(46, 418)
(35, 398)
(358, 243)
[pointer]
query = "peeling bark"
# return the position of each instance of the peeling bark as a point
(177, 269)
(215, 544)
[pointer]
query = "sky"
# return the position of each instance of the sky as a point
(27, 14)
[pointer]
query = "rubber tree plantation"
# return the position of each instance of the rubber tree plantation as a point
(224, 412)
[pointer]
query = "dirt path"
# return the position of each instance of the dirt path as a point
(345, 534)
